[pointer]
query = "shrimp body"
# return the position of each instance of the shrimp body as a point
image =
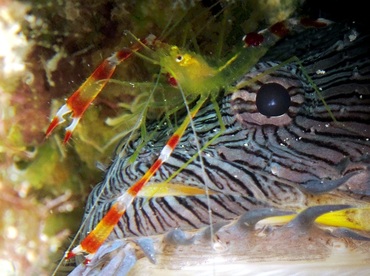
(189, 69)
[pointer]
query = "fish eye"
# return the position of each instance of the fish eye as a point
(179, 58)
(272, 99)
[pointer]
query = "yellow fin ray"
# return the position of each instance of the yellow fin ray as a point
(170, 189)
(357, 218)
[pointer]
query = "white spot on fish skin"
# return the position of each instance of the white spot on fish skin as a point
(320, 72)
(340, 45)
(219, 246)
(338, 245)
(274, 169)
(246, 144)
(353, 35)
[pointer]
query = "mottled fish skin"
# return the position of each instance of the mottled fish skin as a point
(287, 163)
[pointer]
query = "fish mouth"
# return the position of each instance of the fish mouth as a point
(264, 240)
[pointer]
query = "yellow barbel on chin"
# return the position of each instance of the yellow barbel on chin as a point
(357, 218)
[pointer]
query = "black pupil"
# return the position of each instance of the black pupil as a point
(272, 100)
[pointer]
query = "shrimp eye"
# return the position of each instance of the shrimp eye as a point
(272, 100)
(179, 58)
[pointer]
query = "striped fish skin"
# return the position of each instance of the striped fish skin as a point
(289, 162)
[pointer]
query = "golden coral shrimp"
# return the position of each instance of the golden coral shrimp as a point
(206, 82)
